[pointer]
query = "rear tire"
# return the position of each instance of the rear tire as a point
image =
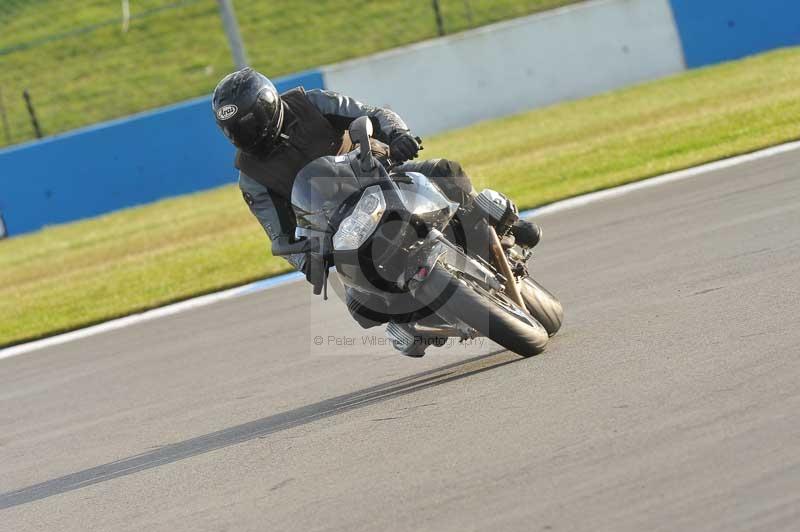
(542, 305)
(496, 317)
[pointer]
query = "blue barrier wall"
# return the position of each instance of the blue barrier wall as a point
(713, 31)
(136, 160)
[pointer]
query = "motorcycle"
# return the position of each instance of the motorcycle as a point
(395, 237)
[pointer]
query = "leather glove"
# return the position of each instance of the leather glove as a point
(404, 147)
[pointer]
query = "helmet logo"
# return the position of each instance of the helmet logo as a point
(226, 111)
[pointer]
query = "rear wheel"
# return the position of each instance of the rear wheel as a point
(491, 314)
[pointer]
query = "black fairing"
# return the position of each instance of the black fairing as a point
(427, 206)
(326, 190)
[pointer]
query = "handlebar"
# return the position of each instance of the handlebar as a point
(361, 130)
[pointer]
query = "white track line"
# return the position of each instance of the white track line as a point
(160, 312)
(267, 284)
(621, 190)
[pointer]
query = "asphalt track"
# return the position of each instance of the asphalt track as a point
(670, 400)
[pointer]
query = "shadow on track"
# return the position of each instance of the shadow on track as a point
(258, 428)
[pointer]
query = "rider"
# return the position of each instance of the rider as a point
(278, 134)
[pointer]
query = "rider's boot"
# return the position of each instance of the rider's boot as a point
(526, 234)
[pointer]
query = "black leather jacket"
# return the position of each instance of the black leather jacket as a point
(269, 204)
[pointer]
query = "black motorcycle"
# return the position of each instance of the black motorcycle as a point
(444, 270)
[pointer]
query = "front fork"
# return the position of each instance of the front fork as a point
(499, 255)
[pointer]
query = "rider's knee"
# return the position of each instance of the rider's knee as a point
(458, 186)
(447, 168)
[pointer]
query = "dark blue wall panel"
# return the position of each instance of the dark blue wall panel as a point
(119, 164)
(713, 31)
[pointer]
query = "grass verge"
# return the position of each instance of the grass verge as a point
(73, 275)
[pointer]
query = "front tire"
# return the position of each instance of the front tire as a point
(542, 305)
(494, 316)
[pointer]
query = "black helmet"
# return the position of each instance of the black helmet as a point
(248, 110)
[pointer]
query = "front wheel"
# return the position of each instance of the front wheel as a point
(542, 305)
(493, 315)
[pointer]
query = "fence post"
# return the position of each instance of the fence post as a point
(4, 118)
(126, 15)
(437, 11)
(232, 32)
(34, 121)
(468, 10)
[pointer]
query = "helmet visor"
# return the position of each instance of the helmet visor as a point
(259, 123)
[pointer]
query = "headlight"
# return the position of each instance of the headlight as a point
(357, 228)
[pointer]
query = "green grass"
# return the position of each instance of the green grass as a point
(73, 275)
(173, 54)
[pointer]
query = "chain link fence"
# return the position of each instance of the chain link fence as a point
(82, 62)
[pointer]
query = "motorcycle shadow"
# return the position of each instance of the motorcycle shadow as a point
(260, 428)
